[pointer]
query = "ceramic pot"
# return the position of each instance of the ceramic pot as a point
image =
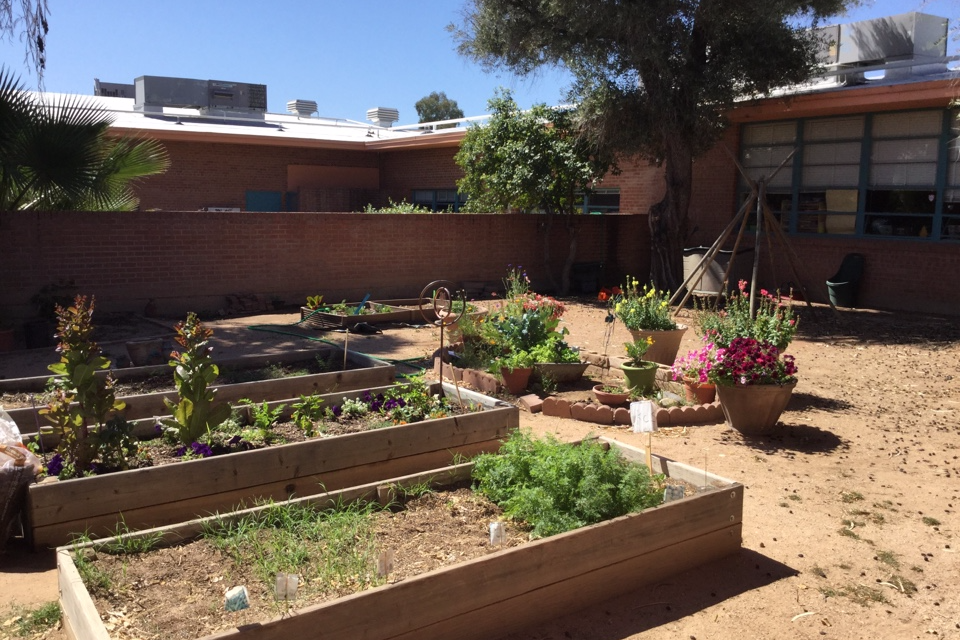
(516, 381)
(754, 410)
(643, 377)
(609, 398)
(699, 392)
(665, 343)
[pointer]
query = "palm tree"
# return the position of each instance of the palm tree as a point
(60, 156)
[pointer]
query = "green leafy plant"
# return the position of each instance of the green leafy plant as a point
(516, 360)
(555, 487)
(196, 412)
(636, 350)
(643, 310)
(262, 417)
(396, 207)
(314, 302)
(308, 412)
(554, 349)
(81, 400)
(774, 322)
(34, 622)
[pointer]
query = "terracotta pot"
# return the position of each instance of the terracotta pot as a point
(516, 381)
(754, 410)
(699, 392)
(609, 398)
(643, 378)
(665, 343)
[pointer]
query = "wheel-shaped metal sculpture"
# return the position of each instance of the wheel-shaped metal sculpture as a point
(439, 296)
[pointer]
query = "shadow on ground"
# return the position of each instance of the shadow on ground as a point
(789, 440)
(665, 602)
(806, 401)
(856, 326)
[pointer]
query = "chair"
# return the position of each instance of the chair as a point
(844, 286)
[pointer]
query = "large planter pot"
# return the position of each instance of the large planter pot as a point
(521, 586)
(754, 410)
(699, 392)
(158, 496)
(515, 380)
(665, 343)
(642, 377)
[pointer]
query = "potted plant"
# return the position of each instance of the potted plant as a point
(646, 313)
(693, 370)
(558, 360)
(515, 369)
(773, 321)
(754, 384)
(640, 374)
(611, 394)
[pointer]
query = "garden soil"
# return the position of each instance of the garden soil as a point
(850, 509)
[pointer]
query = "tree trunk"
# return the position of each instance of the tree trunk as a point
(668, 218)
(573, 232)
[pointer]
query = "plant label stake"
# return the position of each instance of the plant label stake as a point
(442, 302)
(498, 534)
(644, 420)
(286, 589)
(385, 563)
(236, 599)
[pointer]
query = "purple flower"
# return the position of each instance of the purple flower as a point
(55, 465)
(337, 410)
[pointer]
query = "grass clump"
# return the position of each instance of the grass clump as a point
(333, 549)
(32, 622)
(556, 487)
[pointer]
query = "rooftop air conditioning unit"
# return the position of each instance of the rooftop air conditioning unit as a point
(153, 93)
(383, 116)
(304, 108)
(240, 98)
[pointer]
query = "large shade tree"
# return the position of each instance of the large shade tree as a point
(530, 161)
(60, 155)
(27, 19)
(653, 78)
(437, 106)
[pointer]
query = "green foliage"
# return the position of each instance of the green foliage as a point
(652, 78)
(397, 207)
(307, 412)
(195, 413)
(647, 309)
(418, 403)
(774, 321)
(81, 400)
(527, 160)
(636, 350)
(60, 155)
(554, 349)
(516, 360)
(262, 416)
(314, 302)
(437, 106)
(33, 622)
(555, 487)
(276, 539)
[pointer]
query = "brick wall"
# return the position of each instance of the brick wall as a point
(192, 260)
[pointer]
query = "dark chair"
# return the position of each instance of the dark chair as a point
(844, 286)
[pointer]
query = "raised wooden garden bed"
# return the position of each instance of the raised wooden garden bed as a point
(499, 593)
(162, 495)
(373, 313)
(362, 372)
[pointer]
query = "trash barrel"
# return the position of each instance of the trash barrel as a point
(710, 282)
(844, 287)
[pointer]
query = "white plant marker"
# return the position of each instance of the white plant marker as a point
(643, 417)
(236, 599)
(385, 563)
(287, 584)
(498, 534)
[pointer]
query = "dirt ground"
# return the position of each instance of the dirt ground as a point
(849, 512)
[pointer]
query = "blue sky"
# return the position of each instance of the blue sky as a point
(348, 57)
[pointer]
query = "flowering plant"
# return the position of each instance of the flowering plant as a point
(750, 362)
(774, 322)
(697, 363)
(647, 310)
(636, 350)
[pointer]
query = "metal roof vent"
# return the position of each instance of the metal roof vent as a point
(302, 108)
(383, 116)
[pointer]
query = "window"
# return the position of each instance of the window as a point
(439, 199)
(873, 174)
(604, 200)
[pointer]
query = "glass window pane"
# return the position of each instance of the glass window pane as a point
(891, 175)
(765, 156)
(834, 129)
(914, 123)
(772, 133)
(836, 176)
(839, 153)
(915, 150)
